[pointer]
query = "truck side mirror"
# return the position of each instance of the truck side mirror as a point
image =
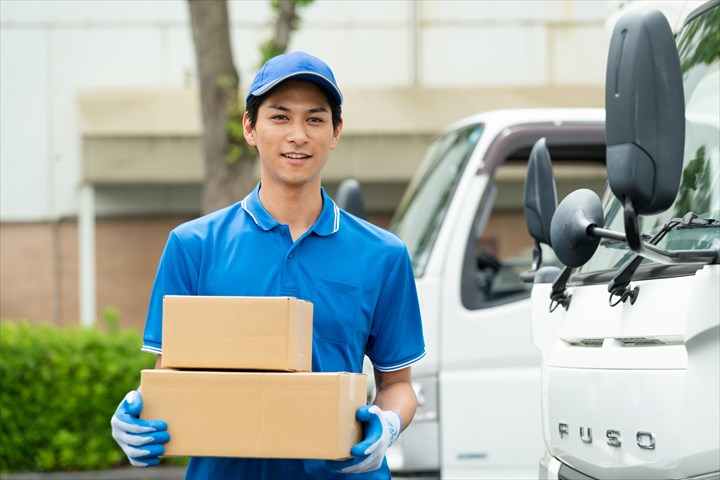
(573, 225)
(349, 197)
(540, 203)
(540, 193)
(645, 137)
(645, 112)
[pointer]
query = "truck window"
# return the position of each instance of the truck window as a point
(423, 207)
(499, 247)
(699, 190)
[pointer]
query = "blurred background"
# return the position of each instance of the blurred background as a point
(101, 148)
(120, 119)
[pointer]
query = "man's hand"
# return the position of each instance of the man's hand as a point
(382, 429)
(141, 440)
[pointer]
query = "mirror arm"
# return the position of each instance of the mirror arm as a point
(537, 256)
(619, 286)
(529, 275)
(558, 295)
(632, 229)
(595, 231)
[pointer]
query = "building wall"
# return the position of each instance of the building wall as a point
(28, 274)
(51, 51)
(408, 69)
(44, 285)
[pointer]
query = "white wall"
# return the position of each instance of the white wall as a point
(49, 50)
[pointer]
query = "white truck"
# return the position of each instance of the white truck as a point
(461, 218)
(629, 330)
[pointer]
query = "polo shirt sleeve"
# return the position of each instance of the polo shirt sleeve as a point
(177, 274)
(396, 336)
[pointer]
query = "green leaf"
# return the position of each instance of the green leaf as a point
(60, 386)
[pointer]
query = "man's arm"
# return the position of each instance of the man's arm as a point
(394, 392)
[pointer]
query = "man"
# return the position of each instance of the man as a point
(288, 238)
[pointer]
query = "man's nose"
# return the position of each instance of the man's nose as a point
(298, 132)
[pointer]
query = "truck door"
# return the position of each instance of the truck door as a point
(489, 376)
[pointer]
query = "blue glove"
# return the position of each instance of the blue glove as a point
(141, 440)
(382, 429)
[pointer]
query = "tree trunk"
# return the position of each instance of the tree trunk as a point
(284, 25)
(285, 22)
(228, 177)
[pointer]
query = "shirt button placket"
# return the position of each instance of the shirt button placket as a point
(287, 284)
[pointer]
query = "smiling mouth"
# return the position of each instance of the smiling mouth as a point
(296, 156)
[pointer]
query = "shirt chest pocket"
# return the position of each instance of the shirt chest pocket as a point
(336, 310)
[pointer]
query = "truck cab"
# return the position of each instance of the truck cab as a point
(629, 328)
(462, 221)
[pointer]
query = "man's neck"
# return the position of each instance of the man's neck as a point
(298, 208)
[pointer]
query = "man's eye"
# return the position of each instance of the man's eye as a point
(315, 120)
(279, 117)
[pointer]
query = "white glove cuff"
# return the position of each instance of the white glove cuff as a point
(394, 424)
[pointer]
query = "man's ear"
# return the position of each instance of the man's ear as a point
(248, 130)
(336, 135)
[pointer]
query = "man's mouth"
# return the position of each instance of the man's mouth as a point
(296, 156)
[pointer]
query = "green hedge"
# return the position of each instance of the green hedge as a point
(58, 390)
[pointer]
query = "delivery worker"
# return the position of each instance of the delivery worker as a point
(288, 238)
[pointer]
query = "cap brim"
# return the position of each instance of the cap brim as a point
(314, 77)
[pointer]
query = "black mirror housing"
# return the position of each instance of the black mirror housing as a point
(540, 193)
(645, 112)
(349, 197)
(572, 227)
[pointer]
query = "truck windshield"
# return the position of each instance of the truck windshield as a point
(425, 203)
(699, 192)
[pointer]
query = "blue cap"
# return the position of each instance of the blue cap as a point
(298, 65)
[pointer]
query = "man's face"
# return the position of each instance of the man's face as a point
(293, 134)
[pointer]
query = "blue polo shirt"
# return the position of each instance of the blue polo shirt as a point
(358, 277)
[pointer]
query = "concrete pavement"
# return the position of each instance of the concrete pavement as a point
(125, 473)
(131, 473)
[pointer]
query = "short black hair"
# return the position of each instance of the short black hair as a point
(254, 102)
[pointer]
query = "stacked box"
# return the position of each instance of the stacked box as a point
(249, 391)
(237, 333)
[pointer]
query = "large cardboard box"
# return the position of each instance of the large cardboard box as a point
(255, 414)
(237, 333)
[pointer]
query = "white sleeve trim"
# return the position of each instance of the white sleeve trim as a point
(394, 368)
(149, 349)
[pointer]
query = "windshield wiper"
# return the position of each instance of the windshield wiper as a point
(690, 220)
(619, 285)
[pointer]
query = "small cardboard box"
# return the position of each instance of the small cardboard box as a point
(255, 414)
(237, 333)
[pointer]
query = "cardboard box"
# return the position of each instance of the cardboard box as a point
(237, 333)
(255, 414)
